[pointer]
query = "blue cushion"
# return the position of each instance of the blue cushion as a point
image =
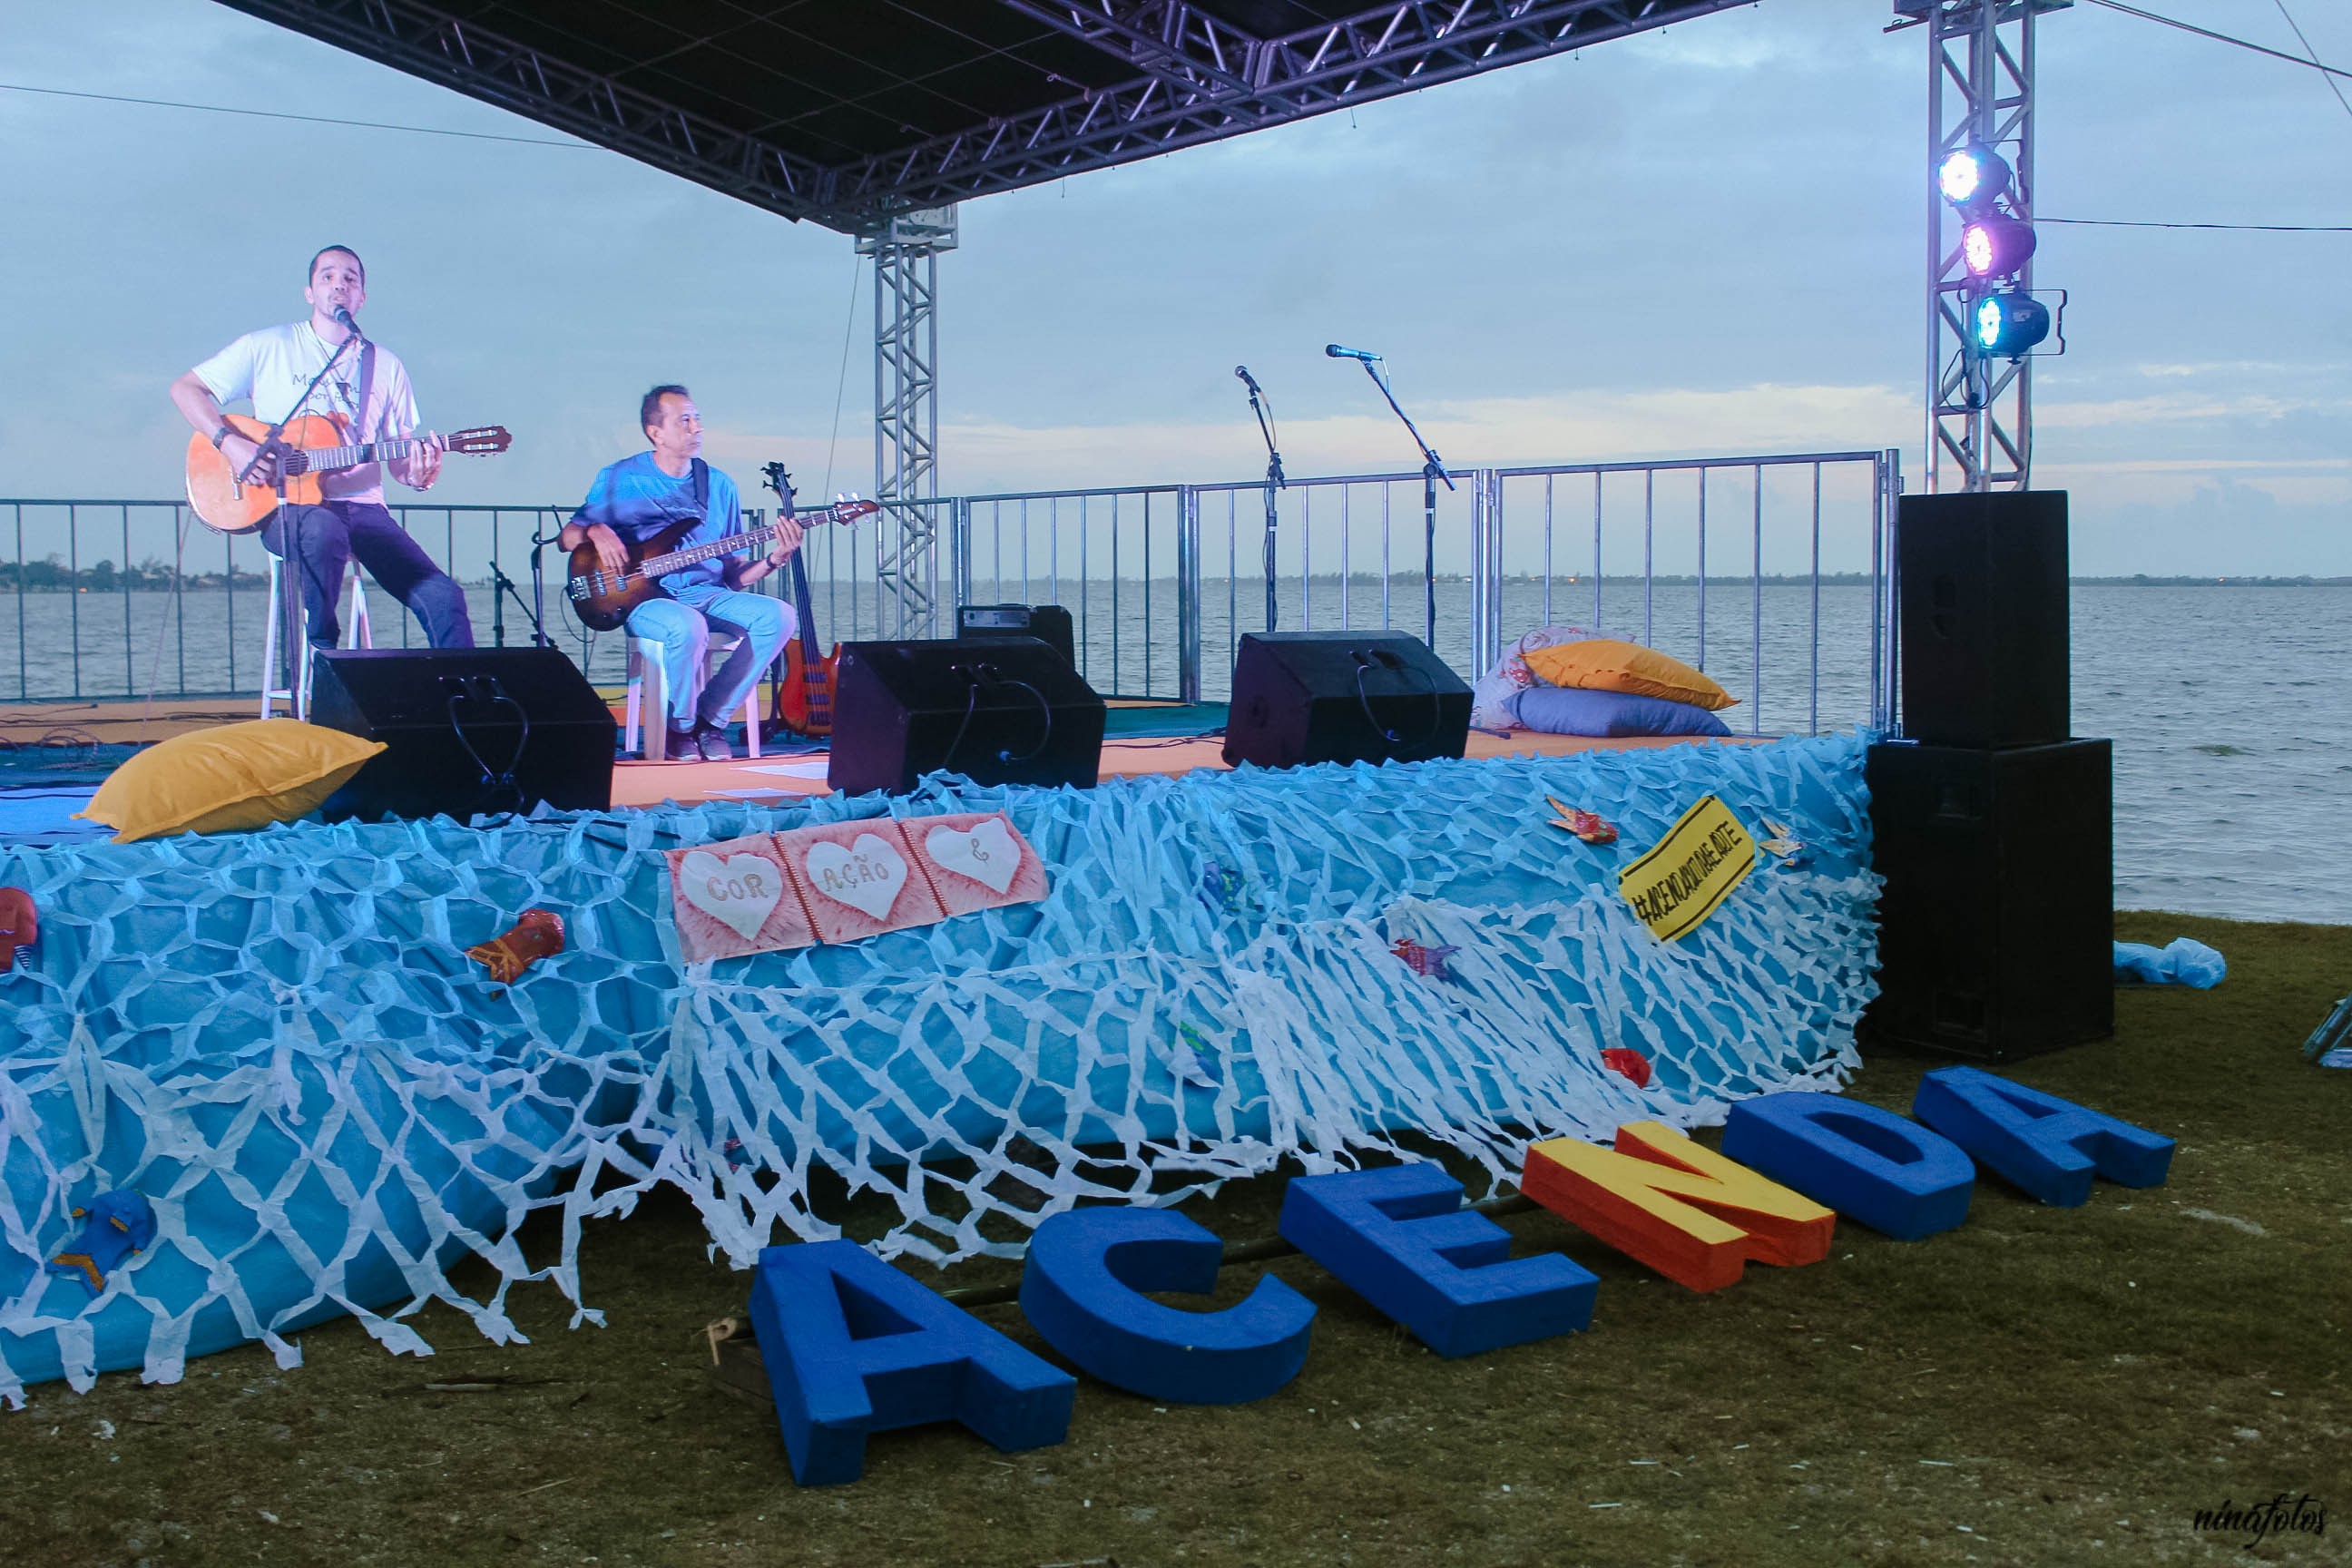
(1576, 710)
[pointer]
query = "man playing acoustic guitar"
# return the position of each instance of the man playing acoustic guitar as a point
(368, 392)
(638, 496)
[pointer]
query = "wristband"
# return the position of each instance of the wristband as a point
(223, 434)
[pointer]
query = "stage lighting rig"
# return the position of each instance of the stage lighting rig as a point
(2008, 324)
(1996, 246)
(1973, 178)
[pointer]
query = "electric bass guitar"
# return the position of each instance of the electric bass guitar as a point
(318, 446)
(602, 599)
(804, 696)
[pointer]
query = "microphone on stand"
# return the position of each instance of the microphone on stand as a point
(344, 320)
(1336, 352)
(1248, 380)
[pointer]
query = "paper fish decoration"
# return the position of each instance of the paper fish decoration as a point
(1779, 842)
(115, 1226)
(20, 924)
(1585, 824)
(1226, 893)
(538, 934)
(1195, 1058)
(1630, 1063)
(1429, 963)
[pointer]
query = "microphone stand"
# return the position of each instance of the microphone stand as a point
(501, 583)
(1273, 481)
(540, 541)
(1432, 469)
(295, 632)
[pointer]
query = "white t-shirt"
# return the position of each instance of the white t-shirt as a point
(273, 365)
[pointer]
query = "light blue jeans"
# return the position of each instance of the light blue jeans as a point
(683, 623)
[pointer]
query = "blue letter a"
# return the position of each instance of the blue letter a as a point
(2044, 1144)
(853, 1346)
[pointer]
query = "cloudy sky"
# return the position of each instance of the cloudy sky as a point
(1705, 241)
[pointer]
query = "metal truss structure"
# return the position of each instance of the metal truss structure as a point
(1108, 82)
(874, 120)
(906, 251)
(1979, 91)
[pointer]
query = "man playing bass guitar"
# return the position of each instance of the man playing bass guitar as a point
(638, 496)
(368, 392)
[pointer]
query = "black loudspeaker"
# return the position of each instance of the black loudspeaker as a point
(467, 731)
(1983, 605)
(1004, 711)
(1049, 624)
(1343, 697)
(1996, 928)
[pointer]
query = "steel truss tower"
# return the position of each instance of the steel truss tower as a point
(905, 249)
(1979, 91)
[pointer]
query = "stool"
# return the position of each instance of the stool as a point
(645, 671)
(356, 634)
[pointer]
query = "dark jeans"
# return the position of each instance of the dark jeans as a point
(333, 533)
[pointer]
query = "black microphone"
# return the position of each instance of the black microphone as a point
(1247, 379)
(1336, 352)
(344, 320)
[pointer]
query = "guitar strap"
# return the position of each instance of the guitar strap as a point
(367, 385)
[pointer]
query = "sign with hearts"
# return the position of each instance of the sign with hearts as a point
(858, 880)
(735, 897)
(976, 861)
(846, 881)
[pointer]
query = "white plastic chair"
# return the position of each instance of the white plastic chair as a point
(356, 634)
(648, 694)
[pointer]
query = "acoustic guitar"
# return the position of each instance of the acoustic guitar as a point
(319, 446)
(804, 696)
(603, 599)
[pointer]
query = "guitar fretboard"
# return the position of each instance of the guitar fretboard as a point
(317, 459)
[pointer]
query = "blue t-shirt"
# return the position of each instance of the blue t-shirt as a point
(635, 498)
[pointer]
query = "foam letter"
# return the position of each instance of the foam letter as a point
(1870, 1165)
(1083, 1288)
(1663, 1199)
(854, 1346)
(2044, 1144)
(1401, 1238)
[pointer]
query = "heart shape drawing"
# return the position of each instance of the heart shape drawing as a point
(986, 854)
(739, 892)
(866, 875)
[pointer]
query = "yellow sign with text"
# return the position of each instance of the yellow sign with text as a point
(1685, 876)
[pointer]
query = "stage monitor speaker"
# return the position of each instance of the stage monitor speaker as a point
(467, 731)
(1982, 582)
(1049, 624)
(1003, 710)
(1343, 697)
(1996, 927)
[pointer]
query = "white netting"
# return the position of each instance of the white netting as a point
(277, 1039)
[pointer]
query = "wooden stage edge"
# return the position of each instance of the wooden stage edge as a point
(136, 723)
(771, 779)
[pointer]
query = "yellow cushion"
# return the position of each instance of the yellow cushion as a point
(225, 779)
(1602, 665)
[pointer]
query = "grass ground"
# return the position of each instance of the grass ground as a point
(2040, 1386)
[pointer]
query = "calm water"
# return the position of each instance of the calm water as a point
(2233, 740)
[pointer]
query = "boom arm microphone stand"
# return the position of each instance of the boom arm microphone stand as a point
(1274, 479)
(1432, 469)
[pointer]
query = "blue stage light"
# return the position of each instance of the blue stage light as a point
(2008, 324)
(1972, 177)
(1996, 245)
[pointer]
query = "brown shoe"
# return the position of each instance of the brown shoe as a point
(712, 738)
(685, 745)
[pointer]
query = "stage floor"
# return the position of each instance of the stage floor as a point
(771, 779)
(60, 751)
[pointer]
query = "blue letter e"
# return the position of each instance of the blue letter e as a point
(1082, 1289)
(853, 1346)
(1399, 1237)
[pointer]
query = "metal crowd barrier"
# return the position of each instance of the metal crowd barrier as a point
(121, 598)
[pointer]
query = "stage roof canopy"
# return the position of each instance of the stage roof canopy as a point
(847, 112)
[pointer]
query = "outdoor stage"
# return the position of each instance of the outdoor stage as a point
(278, 1040)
